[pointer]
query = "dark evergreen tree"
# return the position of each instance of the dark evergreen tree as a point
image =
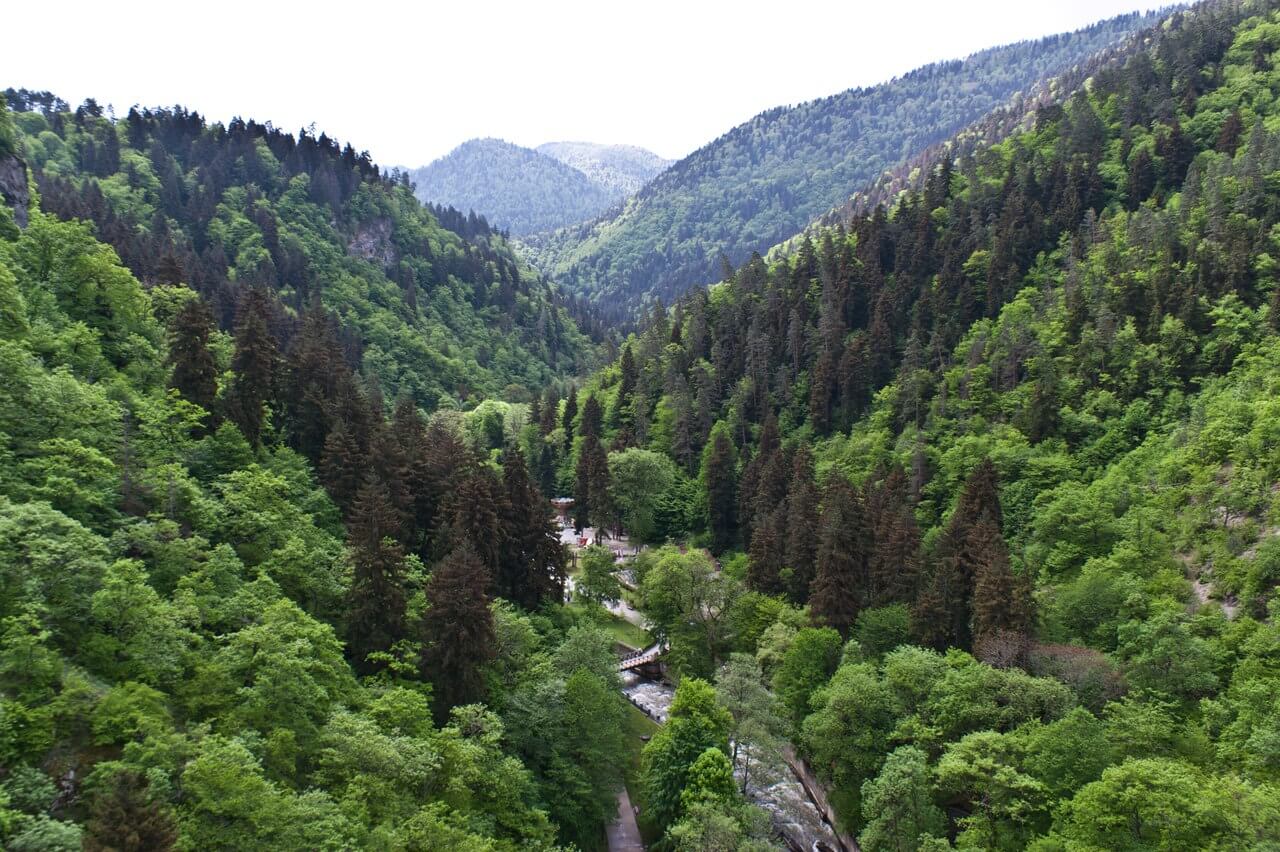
(531, 565)
(567, 418)
(1001, 598)
(476, 506)
(125, 817)
(721, 482)
(626, 387)
(342, 467)
(943, 613)
(254, 367)
(376, 600)
(195, 375)
(767, 556)
(895, 554)
(840, 583)
(802, 526)
(592, 422)
(457, 628)
(315, 373)
(550, 408)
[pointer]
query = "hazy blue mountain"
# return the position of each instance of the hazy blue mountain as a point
(621, 169)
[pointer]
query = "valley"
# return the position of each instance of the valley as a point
(898, 471)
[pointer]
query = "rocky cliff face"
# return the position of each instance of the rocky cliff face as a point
(13, 188)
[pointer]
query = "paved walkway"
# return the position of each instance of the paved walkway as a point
(623, 832)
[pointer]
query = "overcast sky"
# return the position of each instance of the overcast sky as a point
(409, 81)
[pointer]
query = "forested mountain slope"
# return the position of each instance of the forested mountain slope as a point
(241, 605)
(767, 179)
(992, 475)
(518, 189)
(622, 169)
(432, 303)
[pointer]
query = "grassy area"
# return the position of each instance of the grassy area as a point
(625, 632)
(618, 628)
(638, 726)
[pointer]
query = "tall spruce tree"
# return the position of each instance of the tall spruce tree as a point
(341, 467)
(126, 817)
(253, 366)
(629, 375)
(315, 370)
(1001, 598)
(531, 565)
(592, 423)
(802, 526)
(376, 600)
(895, 554)
(457, 630)
(943, 613)
(767, 556)
(475, 509)
(195, 375)
(569, 415)
(841, 579)
(720, 480)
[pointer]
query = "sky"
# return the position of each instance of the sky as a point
(409, 81)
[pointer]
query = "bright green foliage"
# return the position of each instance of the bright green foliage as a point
(710, 781)
(982, 769)
(443, 309)
(848, 732)
(638, 481)
(696, 723)
(1057, 339)
(598, 583)
(1164, 804)
(808, 662)
(689, 603)
(171, 607)
(897, 805)
(882, 629)
(741, 689)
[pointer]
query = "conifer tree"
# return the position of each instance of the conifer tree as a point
(550, 408)
(254, 368)
(567, 418)
(444, 461)
(457, 630)
(1001, 598)
(802, 526)
(315, 371)
(844, 544)
(895, 554)
(124, 817)
(768, 552)
(626, 387)
(476, 507)
(376, 600)
(943, 612)
(531, 565)
(720, 481)
(341, 467)
(195, 375)
(592, 423)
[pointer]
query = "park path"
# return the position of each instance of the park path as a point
(624, 833)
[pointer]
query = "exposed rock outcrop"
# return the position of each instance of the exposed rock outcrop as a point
(372, 241)
(13, 188)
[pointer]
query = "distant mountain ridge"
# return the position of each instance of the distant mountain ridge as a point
(623, 169)
(523, 190)
(765, 180)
